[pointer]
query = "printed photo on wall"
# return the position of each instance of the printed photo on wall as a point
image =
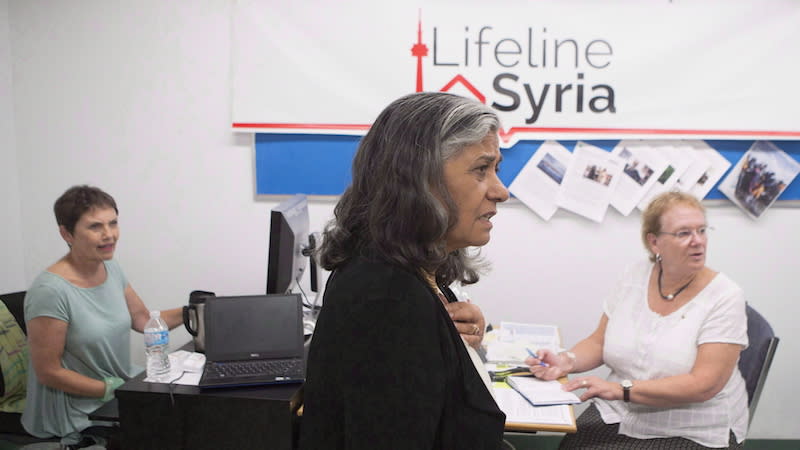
(590, 179)
(695, 171)
(538, 182)
(759, 178)
(642, 166)
(678, 162)
(715, 167)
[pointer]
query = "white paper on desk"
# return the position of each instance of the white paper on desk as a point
(177, 374)
(538, 182)
(591, 178)
(529, 333)
(642, 166)
(679, 161)
(519, 410)
(509, 343)
(541, 392)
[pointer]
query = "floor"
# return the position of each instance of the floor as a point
(550, 442)
(520, 441)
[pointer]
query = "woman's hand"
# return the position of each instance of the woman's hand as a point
(549, 365)
(468, 320)
(595, 387)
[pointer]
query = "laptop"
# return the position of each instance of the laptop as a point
(253, 340)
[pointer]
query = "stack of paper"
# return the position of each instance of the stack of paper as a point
(510, 343)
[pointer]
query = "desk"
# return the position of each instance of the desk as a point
(509, 345)
(256, 417)
(109, 412)
(534, 427)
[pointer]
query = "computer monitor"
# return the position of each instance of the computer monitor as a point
(288, 241)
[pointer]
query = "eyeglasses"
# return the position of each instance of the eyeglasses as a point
(685, 235)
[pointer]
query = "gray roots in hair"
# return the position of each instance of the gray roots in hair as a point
(397, 204)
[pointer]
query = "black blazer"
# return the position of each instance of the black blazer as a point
(387, 369)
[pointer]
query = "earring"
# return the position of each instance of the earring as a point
(658, 257)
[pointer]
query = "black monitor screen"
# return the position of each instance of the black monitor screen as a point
(288, 236)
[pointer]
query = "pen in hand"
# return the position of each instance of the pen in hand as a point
(534, 355)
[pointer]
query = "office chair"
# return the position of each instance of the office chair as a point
(10, 421)
(755, 361)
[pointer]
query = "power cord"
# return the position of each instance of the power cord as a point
(305, 297)
(172, 387)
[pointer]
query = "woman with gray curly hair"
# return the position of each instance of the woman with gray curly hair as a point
(390, 363)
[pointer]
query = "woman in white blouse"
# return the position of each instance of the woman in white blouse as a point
(671, 333)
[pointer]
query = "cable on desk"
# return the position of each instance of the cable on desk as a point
(305, 296)
(172, 387)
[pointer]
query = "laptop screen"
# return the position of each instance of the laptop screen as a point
(253, 327)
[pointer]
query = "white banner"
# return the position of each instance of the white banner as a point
(565, 69)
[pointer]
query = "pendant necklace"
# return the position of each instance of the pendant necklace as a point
(670, 297)
(431, 280)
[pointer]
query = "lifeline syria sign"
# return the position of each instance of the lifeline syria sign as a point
(552, 70)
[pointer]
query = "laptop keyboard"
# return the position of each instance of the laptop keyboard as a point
(254, 368)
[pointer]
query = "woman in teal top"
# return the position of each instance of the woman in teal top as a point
(78, 314)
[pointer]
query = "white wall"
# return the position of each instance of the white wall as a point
(12, 274)
(135, 98)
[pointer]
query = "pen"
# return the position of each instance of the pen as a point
(534, 355)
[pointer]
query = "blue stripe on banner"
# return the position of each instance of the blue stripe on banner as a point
(312, 164)
(303, 163)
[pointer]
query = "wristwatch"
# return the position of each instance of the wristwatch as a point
(626, 390)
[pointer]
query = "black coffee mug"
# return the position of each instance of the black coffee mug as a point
(193, 318)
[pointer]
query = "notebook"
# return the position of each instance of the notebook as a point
(252, 340)
(541, 393)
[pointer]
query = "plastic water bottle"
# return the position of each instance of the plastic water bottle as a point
(156, 342)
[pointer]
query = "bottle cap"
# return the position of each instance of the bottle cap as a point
(155, 313)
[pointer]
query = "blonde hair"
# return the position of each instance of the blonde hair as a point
(651, 217)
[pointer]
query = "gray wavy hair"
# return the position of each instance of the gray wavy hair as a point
(397, 204)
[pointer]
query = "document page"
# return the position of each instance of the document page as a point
(679, 162)
(589, 181)
(696, 170)
(538, 182)
(519, 410)
(542, 393)
(642, 163)
(510, 343)
(718, 165)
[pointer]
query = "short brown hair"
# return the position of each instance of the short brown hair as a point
(651, 217)
(76, 201)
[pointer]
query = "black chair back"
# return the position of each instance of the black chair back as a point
(14, 302)
(10, 421)
(755, 361)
